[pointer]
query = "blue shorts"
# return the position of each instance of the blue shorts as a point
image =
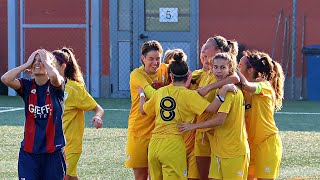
(49, 166)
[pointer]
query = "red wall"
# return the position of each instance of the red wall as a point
(3, 36)
(56, 12)
(254, 23)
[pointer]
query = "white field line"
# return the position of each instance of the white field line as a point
(116, 109)
(9, 109)
(19, 108)
(298, 113)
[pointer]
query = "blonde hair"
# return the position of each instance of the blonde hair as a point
(168, 55)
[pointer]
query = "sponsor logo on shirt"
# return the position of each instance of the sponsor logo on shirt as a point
(40, 111)
(248, 106)
(267, 170)
(240, 173)
(33, 91)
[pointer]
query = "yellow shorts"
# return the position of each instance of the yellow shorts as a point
(137, 152)
(167, 158)
(192, 167)
(229, 168)
(72, 160)
(266, 158)
(202, 143)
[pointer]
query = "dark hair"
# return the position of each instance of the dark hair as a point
(268, 69)
(152, 45)
(178, 65)
(72, 71)
(230, 46)
(232, 63)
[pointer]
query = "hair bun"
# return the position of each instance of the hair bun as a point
(178, 57)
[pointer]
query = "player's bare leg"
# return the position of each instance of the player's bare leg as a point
(203, 164)
(140, 173)
(71, 177)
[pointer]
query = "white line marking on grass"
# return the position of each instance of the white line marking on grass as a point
(298, 113)
(9, 107)
(116, 109)
(9, 110)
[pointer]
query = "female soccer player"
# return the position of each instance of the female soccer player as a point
(140, 126)
(229, 156)
(77, 100)
(163, 74)
(172, 105)
(263, 81)
(41, 153)
(207, 83)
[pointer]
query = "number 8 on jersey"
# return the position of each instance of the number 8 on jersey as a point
(167, 106)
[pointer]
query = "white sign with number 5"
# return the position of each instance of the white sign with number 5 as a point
(168, 14)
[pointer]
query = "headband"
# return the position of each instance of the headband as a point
(61, 59)
(176, 75)
(247, 59)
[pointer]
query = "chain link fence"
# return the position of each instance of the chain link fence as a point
(172, 23)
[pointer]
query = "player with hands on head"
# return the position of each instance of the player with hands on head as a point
(41, 153)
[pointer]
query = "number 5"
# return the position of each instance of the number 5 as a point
(168, 14)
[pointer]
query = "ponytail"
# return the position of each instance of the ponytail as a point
(233, 48)
(277, 83)
(269, 70)
(226, 46)
(72, 70)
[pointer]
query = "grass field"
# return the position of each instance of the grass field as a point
(104, 149)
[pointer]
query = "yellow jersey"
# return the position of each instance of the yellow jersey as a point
(230, 138)
(207, 78)
(140, 125)
(196, 77)
(163, 74)
(173, 105)
(259, 114)
(77, 100)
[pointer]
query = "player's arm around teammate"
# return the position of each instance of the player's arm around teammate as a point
(140, 126)
(202, 150)
(172, 104)
(222, 45)
(263, 81)
(229, 156)
(41, 153)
